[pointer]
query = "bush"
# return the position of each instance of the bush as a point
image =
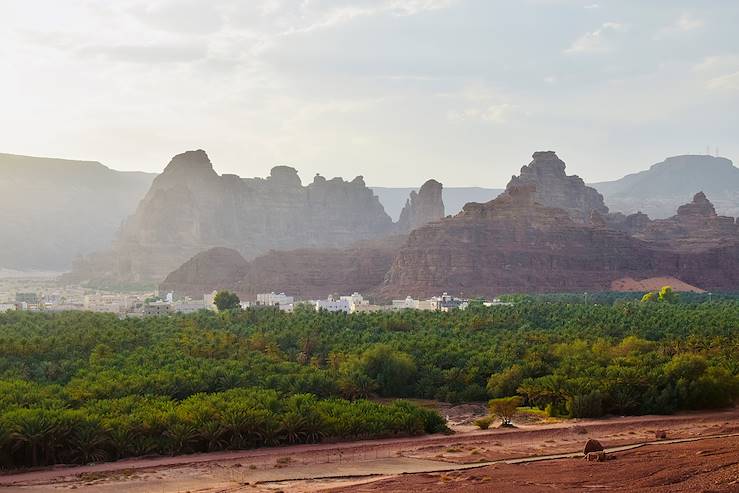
(484, 423)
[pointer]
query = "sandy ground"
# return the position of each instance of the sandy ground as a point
(653, 284)
(431, 459)
(701, 466)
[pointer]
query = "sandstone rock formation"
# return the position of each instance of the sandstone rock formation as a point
(554, 188)
(512, 244)
(303, 273)
(695, 226)
(515, 244)
(423, 207)
(190, 208)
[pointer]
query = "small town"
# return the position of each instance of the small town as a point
(47, 297)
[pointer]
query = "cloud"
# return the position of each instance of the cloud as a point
(720, 72)
(481, 104)
(683, 24)
(147, 53)
(718, 63)
(728, 82)
(596, 41)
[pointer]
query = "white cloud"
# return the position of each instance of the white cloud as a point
(494, 113)
(718, 63)
(683, 24)
(598, 40)
(728, 82)
(720, 72)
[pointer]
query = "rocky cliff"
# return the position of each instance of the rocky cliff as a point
(305, 273)
(422, 207)
(554, 188)
(696, 226)
(515, 244)
(190, 208)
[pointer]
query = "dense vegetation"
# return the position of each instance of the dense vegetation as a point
(81, 387)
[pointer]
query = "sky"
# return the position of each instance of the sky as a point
(398, 91)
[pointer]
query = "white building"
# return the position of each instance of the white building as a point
(7, 307)
(109, 303)
(188, 306)
(331, 304)
(272, 299)
(406, 304)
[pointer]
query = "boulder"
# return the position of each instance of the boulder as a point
(592, 445)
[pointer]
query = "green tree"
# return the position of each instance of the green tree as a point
(226, 300)
(392, 370)
(505, 408)
(667, 295)
(505, 383)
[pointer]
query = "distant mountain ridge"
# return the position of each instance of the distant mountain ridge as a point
(52, 210)
(659, 190)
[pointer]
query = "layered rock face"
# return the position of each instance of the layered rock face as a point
(422, 207)
(303, 273)
(696, 226)
(511, 244)
(554, 188)
(190, 208)
(515, 244)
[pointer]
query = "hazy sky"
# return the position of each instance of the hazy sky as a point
(395, 90)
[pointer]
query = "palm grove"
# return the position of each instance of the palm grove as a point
(83, 387)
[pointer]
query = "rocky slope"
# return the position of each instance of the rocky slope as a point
(52, 210)
(190, 208)
(659, 190)
(305, 273)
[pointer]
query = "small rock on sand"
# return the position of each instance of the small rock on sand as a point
(592, 446)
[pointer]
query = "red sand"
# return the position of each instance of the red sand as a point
(628, 284)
